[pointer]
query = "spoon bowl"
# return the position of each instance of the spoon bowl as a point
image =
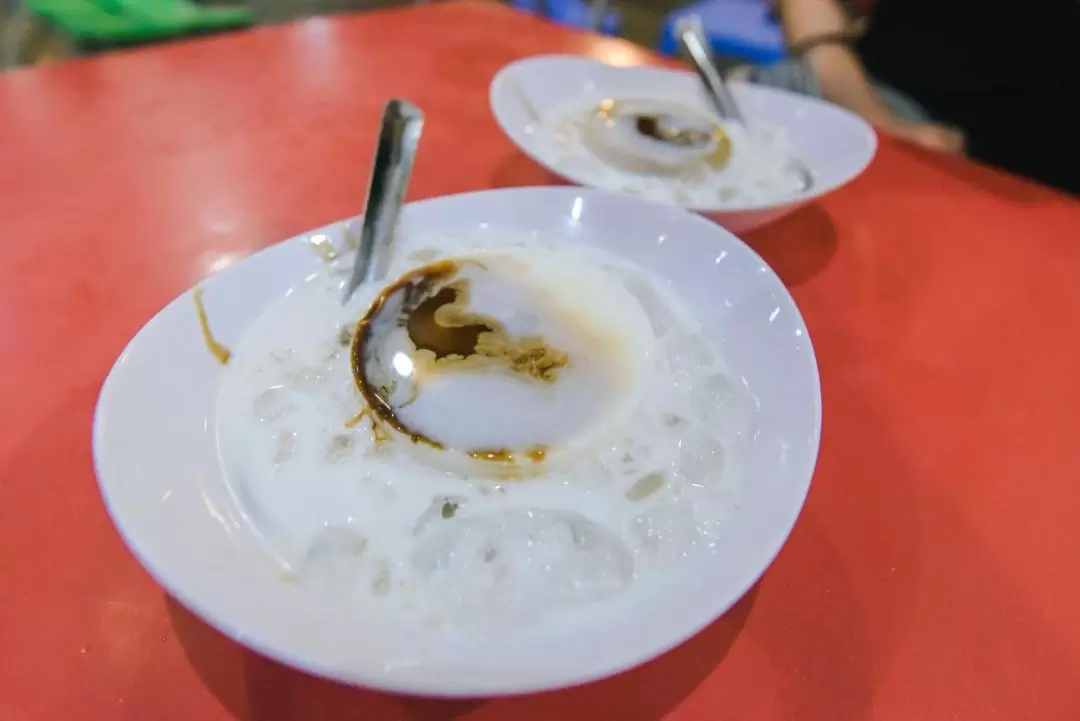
(397, 325)
(395, 152)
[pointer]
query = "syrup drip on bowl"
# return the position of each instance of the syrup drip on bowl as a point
(220, 352)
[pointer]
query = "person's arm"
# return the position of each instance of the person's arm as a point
(837, 67)
(842, 76)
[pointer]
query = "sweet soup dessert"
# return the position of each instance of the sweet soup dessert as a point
(508, 430)
(628, 146)
(507, 363)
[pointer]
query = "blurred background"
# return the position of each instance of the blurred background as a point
(993, 82)
(36, 31)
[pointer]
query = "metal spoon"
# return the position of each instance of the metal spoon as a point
(383, 369)
(692, 39)
(399, 136)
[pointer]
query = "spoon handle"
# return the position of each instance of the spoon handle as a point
(694, 45)
(399, 136)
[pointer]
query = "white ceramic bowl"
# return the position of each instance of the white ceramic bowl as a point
(835, 144)
(157, 461)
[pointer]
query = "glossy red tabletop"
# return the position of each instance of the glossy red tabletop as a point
(935, 572)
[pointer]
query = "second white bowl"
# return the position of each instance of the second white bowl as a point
(835, 144)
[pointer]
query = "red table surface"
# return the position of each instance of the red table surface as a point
(935, 572)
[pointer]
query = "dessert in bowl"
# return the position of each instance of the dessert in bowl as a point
(593, 412)
(549, 106)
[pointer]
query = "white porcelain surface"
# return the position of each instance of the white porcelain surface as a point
(157, 461)
(837, 145)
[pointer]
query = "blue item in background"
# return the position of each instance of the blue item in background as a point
(575, 13)
(741, 30)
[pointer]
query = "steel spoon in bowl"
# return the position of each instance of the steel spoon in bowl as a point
(382, 362)
(395, 152)
(692, 39)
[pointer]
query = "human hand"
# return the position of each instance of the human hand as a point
(928, 135)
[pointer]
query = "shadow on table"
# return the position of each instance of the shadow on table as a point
(518, 169)
(798, 246)
(254, 688)
(998, 183)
